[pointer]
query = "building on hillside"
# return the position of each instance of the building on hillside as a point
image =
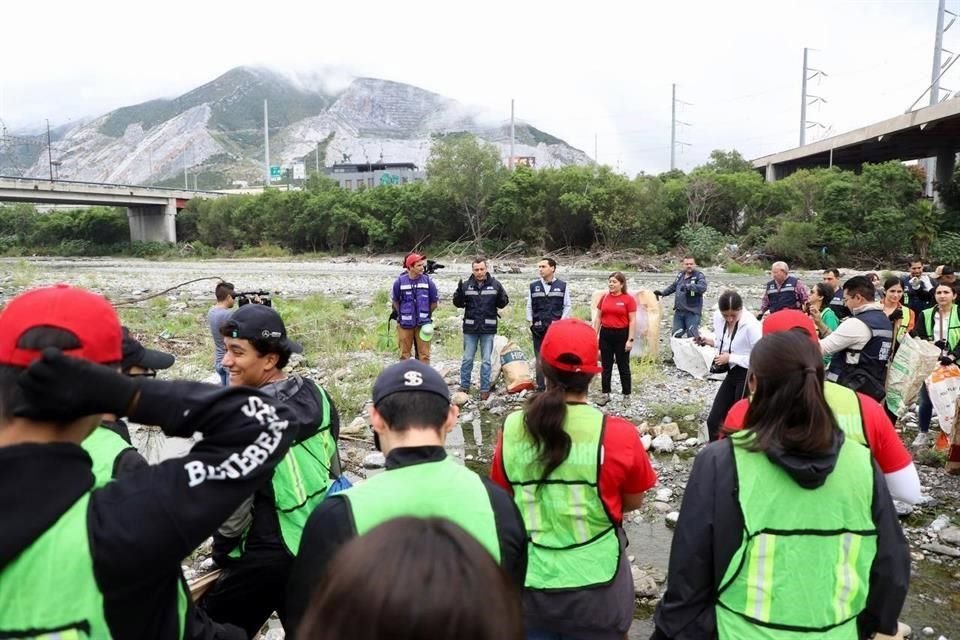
(373, 174)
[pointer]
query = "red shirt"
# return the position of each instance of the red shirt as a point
(624, 466)
(885, 445)
(615, 310)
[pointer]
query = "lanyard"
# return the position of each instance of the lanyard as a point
(733, 335)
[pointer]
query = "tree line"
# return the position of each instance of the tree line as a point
(723, 208)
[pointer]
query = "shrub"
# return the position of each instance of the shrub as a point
(703, 242)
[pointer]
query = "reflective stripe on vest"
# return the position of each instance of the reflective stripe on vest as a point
(573, 539)
(873, 357)
(441, 489)
(103, 446)
(50, 587)
(845, 406)
(953, 326)
(301, 480)
(805, 569)
(904, 322)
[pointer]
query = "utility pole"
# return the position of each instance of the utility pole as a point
(673, 127)
(49, 153)
(318, 157)
(807, 99)
(266, 145)
(512, 136)
(936, 73)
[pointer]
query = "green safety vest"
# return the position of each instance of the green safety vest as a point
(573, 542)
(103, 446)
(441, 489)
(301, 480)
(904, 323)
(845, 405)
(803, 566)
(953, 326)
(49, 591)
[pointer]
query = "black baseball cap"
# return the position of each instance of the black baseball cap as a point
(409, 375)
(948, 271)
(137, 355)
(260, 322)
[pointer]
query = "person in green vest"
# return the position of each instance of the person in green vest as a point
(573, 472)
(78, 561)
(787, 529)
(940, 324)
(411, 417)
(433, 580)
(256, 546)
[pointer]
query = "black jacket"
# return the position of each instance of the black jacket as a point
(331, 525)
(143, 525)
(480, 301)
(709, 533)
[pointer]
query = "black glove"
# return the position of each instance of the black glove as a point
(59, 388)
(947, 360)
(760, 316)
(941, 344)
(896, 315)
(658, 293)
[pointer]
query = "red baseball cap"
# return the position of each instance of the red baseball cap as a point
(790, 319)
(86, 315)
(412, 259)
(575, 338)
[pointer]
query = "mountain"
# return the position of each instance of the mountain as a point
(216, 132)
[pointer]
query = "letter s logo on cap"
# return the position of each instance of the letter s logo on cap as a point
(412, 379)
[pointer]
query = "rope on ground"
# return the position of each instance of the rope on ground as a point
(173, 288)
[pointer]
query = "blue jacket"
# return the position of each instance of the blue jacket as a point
(689, 292)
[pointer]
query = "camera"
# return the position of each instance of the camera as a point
(719, 368)
(432, 267)
(250, 297)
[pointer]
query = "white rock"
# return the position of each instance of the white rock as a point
(374, 460)
(941, 549)
(671, 429)
(666, 420)
(646, 440)
(357, 427)
(664, 495)
(662, 443)
(939, 522)
(645, 586)
(661, 507)
(459, 398)
(691, 442)
(671, 519)
(928, 631)
(689, 418)
(950, 535)
(207, 564)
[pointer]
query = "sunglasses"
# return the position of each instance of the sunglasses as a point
(145, 374)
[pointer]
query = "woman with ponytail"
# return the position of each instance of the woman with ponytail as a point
(787, 529)
(573, 472)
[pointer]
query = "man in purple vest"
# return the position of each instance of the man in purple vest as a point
(414, 299)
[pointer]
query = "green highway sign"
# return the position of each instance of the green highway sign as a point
(274, 171)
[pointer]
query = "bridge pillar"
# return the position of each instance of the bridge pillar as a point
(772, 173)
(944, 166)
(155, 223)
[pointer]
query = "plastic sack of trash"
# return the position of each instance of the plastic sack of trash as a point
(499, 342)
(515, 368)
(692, 358)
(646, 322)
(943, 385)
(914, 361)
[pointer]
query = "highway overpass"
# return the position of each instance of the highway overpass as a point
(151, 211)
(929, 132)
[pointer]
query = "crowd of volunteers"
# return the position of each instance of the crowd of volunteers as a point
(787, 527)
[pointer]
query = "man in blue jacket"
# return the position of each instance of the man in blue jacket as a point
(481, 296)
(689, 287)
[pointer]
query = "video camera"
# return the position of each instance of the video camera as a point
(432, 267)
(253, 297)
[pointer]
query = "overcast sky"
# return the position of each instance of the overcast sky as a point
(578, 70)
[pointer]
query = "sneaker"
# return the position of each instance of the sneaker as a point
(604, 399)
(484, 396)
(922, 440)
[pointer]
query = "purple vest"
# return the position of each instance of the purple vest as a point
(414, 301)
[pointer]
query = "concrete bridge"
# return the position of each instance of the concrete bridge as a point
(931, 132)
(151, 211)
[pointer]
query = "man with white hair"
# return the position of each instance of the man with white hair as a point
(783, 292)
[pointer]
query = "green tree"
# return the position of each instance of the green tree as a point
(470, 172)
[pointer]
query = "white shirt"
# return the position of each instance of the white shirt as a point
(851, 334)
(749, 332)
(567, 307)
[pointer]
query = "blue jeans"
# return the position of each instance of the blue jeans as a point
(470, 341)
(687, 322)
(539, 634)
(224, 376)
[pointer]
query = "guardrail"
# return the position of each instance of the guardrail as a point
(108, 185)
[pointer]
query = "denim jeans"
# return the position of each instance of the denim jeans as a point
(470, 341)
(224, 376)
(687, 322)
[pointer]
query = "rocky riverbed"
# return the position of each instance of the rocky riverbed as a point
(668, 406)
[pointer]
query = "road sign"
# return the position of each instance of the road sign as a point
(274, 172)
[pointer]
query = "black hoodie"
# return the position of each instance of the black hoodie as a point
(709, 532)
(143, 525)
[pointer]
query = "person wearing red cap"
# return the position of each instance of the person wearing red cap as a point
(861, 417)
(561, 451)
(105, 562)
(414, 298)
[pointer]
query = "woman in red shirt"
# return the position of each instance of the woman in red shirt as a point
(616, 323)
